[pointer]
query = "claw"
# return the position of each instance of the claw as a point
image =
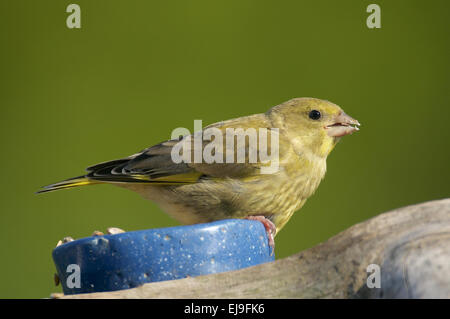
(270, 227)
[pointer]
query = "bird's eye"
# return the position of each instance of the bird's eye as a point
(314, 115)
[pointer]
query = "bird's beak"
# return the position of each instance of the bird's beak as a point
(343, 125)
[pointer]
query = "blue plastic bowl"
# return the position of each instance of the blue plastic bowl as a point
(127, 260)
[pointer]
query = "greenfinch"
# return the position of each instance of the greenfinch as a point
(236, 183)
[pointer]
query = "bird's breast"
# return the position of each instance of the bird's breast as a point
(276, 196)
(294, 188)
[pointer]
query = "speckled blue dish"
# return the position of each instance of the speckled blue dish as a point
(127, 260)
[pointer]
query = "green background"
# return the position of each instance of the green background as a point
(138, 69)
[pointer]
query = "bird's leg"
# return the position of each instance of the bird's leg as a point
(270, 227)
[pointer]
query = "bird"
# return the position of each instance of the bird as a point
(305, 130)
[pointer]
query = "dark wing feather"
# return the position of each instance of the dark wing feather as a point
(153, 165)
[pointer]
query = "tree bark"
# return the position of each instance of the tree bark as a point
(411, 246)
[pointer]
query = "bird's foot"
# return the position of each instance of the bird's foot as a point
(270, 227)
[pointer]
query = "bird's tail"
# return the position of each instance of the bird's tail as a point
(68, 183)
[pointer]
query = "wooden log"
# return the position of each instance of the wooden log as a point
(411, 246)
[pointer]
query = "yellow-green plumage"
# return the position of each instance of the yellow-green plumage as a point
(201, 192)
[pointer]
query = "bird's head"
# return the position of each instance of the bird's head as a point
(313, 124)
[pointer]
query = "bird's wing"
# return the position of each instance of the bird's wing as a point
(156, 165)
(242, 150)
(152, 165)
